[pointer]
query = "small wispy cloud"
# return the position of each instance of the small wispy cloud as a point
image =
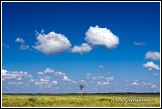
(88, 75)
(99, 83)
(155, 74)
(139, 43)
(59, 73)
(153, 86)
(5, 45)
(24, 47)
(110, 78)
(82, 81)
(101, 66)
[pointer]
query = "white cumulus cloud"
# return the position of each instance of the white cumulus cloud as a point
(52, 43)
(18, 75)
(150, 66)
(65, 78)
(48, 70)
(23, 46)
(19, 40)
(81, 49)
(152, 55)
(101, 36)
(4, 72)
(135, 83)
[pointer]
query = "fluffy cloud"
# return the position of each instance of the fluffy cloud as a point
(52, 43)
(150, 66)
(81, 49)
(4, 72)
(18, 75)
(48, 70)
(46, 80)
(152, 55)
(65, 78)
(26, 74)
(19, 40)
(139, 43)
(101, 36)
(135, 83)
(23, 46)
(43, 81)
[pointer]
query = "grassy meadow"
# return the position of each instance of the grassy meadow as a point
(87, 100)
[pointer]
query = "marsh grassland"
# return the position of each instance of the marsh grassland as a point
(87, 100)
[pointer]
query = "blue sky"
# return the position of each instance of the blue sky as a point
(54, 47)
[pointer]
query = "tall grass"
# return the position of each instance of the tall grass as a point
(76, 101)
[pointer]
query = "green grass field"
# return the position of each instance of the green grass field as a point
(118, 100)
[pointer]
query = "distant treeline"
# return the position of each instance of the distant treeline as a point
(153, 93)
